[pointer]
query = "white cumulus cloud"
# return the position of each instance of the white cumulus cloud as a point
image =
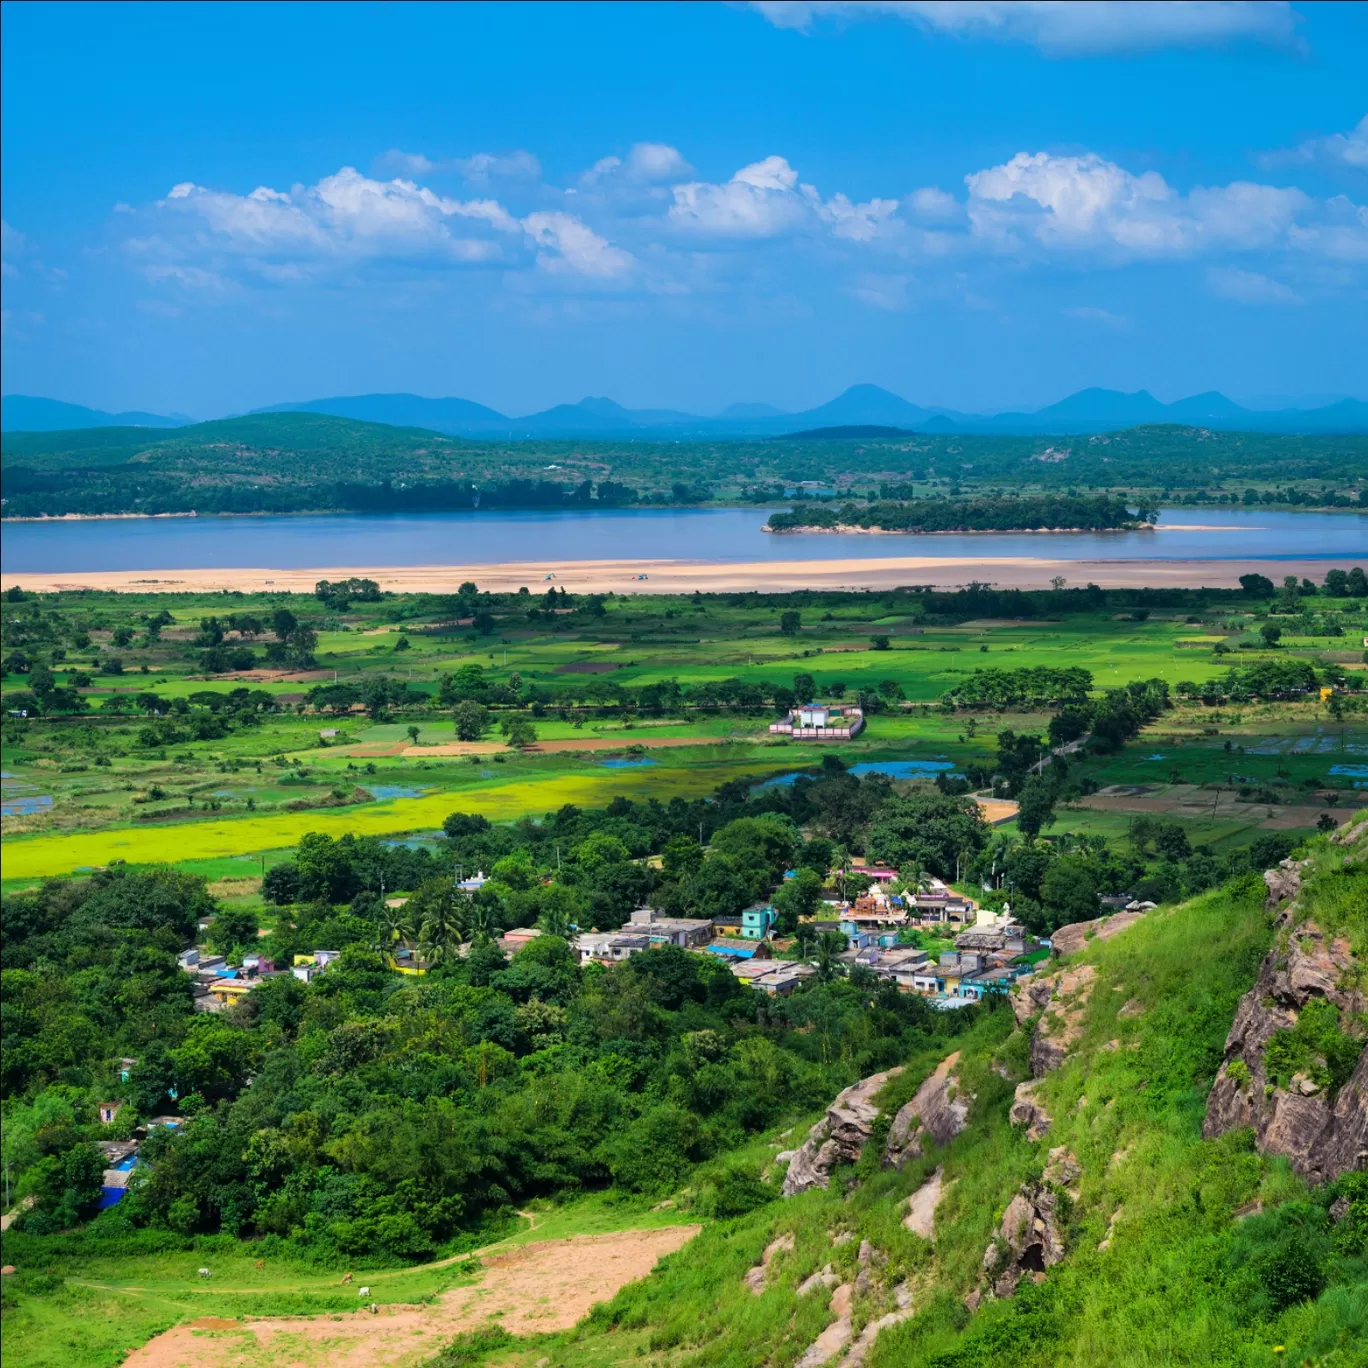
(349, 218)
(1075, 202)
(1064, 27)
(567, 245)
(758, 202)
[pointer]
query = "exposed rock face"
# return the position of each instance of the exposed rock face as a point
(836, 1336)
(939, 1112)
(1060, 998)
(1027, 1243)
(1031, 996)
(757, 1278)
(1068, 940)
(1063, 1167)
(1283, 883)
(823, 1278)
(859, 1351)
(1026, 1111)
(922, 1204)
(1323, 1137)
(838, 1137)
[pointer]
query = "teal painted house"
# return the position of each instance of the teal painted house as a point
(756, 921)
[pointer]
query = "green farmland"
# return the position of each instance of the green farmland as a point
(92, 784)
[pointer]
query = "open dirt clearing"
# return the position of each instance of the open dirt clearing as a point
(530, 1289)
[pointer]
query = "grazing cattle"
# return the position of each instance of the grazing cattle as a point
(204, 1272)
(374, 1310)
(261, 1263)
(364, 1292)
(346, 1278)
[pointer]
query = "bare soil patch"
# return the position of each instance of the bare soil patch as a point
(529, 1290)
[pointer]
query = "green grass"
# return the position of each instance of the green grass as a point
(1160, 1294)
(93, 1311)
(99, 814)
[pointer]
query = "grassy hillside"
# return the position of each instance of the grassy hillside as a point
(282, 462)
(1178, 1250)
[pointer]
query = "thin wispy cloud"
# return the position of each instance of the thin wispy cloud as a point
(1334, 149)
(1249, 287)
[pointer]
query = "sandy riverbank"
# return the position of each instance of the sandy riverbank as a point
(674, 577)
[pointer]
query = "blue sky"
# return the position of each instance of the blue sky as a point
(209, 208)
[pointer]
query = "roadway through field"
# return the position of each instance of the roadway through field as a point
(530, 1289)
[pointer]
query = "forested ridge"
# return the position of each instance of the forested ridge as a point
(269, 463)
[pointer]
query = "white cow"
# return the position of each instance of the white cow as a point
(204, 1272)
(364, 1292)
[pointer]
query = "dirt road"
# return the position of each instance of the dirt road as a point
(530, 1289)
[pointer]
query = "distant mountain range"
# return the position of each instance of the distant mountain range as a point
(861, 406)
(25, 413)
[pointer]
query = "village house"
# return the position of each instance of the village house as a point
(518, 938)
(733, 947)
(756, 921)
(941, 904)
(777, 978)
(821, 722)
(609, 947)
(685, 932)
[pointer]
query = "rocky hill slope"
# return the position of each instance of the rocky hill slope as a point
(1153, 1154)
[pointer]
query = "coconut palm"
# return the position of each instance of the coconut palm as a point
(830, 945)
(480, 920)
(395, 924)
(555, 921)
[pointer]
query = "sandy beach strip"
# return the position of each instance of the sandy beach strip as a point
(684, 577)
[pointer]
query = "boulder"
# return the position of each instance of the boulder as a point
(838, 1137)
(1068, 940)
(1283, 883)
(836, 1336)
(823, 1278)
(1028, 1241)
(1030, 996)
(938, 1113)
(1061, 1023)
(757, 1278)
(1028, 1112)
(922, 1204)
(1063, 1167)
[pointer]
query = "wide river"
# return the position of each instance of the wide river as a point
(690, 534)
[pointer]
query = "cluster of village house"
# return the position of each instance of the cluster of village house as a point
(991, 949)
(991, 952)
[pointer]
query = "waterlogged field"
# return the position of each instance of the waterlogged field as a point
(90, 785)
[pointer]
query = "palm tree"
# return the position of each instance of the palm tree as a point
(395, 924)
(806, 936)
(830, 944)
(555, 921)
(481, 921)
